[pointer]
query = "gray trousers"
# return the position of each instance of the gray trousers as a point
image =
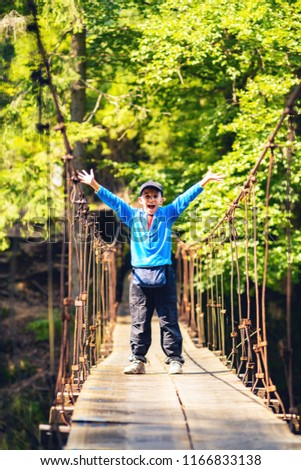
(143, 302)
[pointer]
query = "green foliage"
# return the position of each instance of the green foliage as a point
(40, 327)
(19, 419)
(171, 89)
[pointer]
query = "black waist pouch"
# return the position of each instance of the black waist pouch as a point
(154, 276)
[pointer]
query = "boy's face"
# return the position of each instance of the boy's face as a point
(151, 200)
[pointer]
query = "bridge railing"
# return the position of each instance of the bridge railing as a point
(87, 285)
(230, 318)
(88, 319)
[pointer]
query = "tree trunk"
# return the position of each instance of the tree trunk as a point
(78, 110)
(78, 88)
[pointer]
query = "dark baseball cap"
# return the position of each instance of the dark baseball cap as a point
(151, 184)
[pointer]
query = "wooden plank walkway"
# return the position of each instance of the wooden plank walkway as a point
(207, 407)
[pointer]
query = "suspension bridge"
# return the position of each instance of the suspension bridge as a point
(226, 398)
(226, 385)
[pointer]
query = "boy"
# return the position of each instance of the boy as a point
(153, 283)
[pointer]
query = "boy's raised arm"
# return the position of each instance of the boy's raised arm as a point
(123, 210)
(182, 202)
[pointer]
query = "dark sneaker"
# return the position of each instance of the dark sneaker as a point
(175, 367)
(136, 367)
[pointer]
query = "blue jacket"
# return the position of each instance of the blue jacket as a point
(150, 247)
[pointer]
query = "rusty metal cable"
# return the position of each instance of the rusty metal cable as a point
(191, 289)
(265, 266)
(233, 333)
(289, 349)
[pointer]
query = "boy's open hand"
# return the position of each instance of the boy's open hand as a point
(85, 177)
(211, 177)
(88, 178)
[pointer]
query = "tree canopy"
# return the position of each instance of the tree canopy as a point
(171, 88)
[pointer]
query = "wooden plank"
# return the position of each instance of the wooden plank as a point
(207, 407)
(223, 413)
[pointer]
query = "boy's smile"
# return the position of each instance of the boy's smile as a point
(151, 200)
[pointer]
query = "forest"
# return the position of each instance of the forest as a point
(157, 89)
